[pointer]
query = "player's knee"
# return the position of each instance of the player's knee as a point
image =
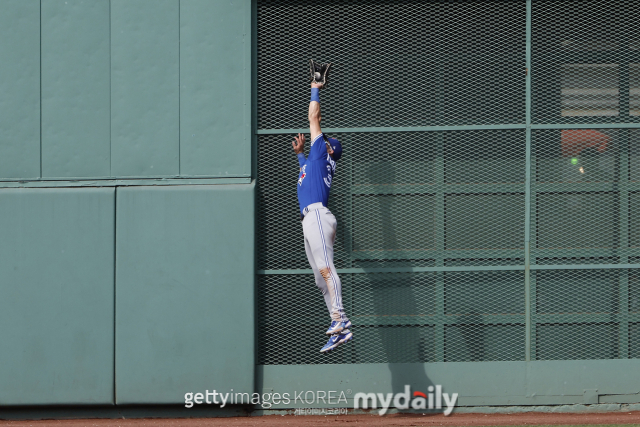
(326, 274)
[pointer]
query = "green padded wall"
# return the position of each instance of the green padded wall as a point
(215, 88)
(57, 296)
(20, 88)
(118, 93)
(145, 104)
(125, 89)
(75, 88)
(184, 291)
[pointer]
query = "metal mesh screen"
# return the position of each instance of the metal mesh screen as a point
(586, 199)
(585, 57)
(404, 200)
(396, 315)
(419, 63)
(394, 192)
(576, 315)
(583, 212)
(546, 171)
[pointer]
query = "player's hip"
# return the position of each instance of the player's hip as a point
(313, 207)
(317, 212)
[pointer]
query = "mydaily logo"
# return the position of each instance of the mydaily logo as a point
(405, 400)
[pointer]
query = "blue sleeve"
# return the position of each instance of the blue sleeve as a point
(318, 149)
(302, 159)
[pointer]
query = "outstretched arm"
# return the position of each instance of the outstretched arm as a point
(314, 111)
(318, 147)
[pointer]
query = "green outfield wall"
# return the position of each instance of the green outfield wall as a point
(126, 200)
(488, 201)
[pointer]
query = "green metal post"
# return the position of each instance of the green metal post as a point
(624, 91)
(623, 243)
(440, 213)
(527, 205)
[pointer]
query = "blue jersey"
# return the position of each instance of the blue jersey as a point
(316, 174)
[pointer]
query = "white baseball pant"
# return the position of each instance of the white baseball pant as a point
(319, 227)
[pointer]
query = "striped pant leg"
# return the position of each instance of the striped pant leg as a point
(320, 282)
(319, 228)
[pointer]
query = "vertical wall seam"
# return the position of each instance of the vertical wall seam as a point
(253, 85)
(115, 216)
(253, 123)
(110, 96)
(115, 240)
(247, 83)
(179, 91)
(40, 88)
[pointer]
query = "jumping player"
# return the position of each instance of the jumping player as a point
(318, 223)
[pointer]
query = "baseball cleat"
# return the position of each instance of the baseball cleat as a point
(336, 340)
(338, 327)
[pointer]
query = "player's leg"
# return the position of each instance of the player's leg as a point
(329, 228)
(319, 229)
(343, 334)
(343, 324)
(339, 329)
(320, 282)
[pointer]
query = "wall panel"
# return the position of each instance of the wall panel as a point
(145, 87)
(215, 97)
(20, 88)
(184, 287)
(56, 296)
(75, 88)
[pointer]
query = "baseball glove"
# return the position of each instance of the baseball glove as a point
(319, 72)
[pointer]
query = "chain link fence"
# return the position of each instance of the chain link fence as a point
(477, 175)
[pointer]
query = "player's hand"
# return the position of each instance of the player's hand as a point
(298, 144)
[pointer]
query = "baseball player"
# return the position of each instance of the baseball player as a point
(318, 223)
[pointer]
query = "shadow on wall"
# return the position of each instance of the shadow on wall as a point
(398, 296)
